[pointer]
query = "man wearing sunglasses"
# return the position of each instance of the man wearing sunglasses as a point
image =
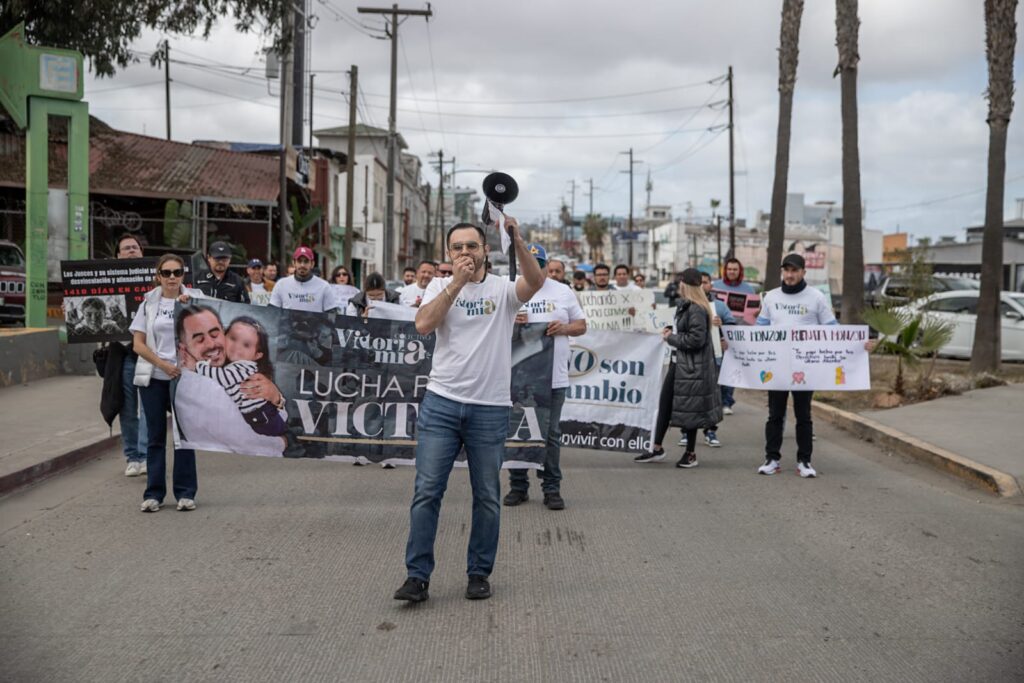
(221, 282)
(467, 401)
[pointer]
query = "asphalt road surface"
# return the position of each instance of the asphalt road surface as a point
(877, 570)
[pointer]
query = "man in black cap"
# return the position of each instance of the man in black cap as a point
(220, 282)
(794, 304)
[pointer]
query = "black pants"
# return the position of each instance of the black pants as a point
(665, 412)
(777, 421)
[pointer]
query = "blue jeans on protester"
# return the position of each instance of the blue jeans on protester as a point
(134, 439)
(727, 399)
(156, 399)
(442, 429)
(551, 476)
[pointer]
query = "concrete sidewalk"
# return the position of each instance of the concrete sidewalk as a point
(976, 436)
(49, 425)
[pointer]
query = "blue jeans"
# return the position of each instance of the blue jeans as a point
(442, 429)
(133, 421)
(727, 399)
(551, 476)
(156, 399)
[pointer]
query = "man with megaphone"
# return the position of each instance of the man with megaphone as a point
(467, 400)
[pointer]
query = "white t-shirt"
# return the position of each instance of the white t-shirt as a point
(258, 296)
(410, 293)
(210, 420)
(312, 295)
(629, 285)
(163, 332)
(555, 301)
(809, 307)
(473, 353)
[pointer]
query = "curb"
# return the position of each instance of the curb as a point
(999, 483)
(56, 464)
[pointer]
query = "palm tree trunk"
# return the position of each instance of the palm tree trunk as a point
(847, 28)
(789, 52)
(1000, 42)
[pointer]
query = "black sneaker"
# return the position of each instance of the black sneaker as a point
(478, 588)
(413, 590)
(554, 501)
(687, 461)
(652, 456)
(513, 498)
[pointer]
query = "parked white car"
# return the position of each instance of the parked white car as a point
(960, 307)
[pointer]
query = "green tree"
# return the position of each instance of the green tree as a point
(1000, 42)
(789, 53)
(847, 28)
(104, 30)
(594, 229)
(909, 337)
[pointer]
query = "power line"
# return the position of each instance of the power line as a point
(412, 88)
(939, 200)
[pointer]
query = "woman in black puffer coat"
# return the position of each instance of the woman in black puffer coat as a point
(690, 397)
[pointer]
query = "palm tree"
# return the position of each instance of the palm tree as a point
(847, 28)
(594, 229)
(789, 52)
(1000, 42)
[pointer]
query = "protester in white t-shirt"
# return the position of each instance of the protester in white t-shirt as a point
(556, 305)
(303, 291)
(412, 295)
(622, 280)
(793, 304)
(467, 400)
(258, 286)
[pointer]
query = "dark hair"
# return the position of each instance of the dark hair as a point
(421, 263)
(187, 311)
(338, 269)
(94, 302)
(128, 236)
(623, 266)
(263, 364)
(374, 281)
(601, 266)
(461, 226)
(733, 260)
(705, 274)
(579, 275)
(409, 269)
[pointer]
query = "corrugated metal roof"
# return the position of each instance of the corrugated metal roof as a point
(137, 165)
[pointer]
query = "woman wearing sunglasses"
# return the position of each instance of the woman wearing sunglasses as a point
(153, 330)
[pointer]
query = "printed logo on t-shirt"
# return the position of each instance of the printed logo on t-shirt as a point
(302, 297)
(539, 306)
(792, 309)
(475, 307)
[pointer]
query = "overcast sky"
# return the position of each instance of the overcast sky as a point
(923, 136)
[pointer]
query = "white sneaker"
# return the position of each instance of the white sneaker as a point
(186, 504)
(132, 470)
(150, 505)
(805, 470)
(682, 442)
(769, 467)
(727, 410)
(142, 468)
(387, 466)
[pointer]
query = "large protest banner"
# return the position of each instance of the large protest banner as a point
(615, 309)
(612, 400)
(101, 296)
(351, 386)
(813, 358)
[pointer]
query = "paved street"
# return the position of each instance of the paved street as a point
(878, 570)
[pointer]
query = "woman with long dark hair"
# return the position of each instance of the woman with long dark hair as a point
(153, 340)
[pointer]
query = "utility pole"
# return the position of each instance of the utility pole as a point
(350, 167)
(311, 77)
(167, 84)
(590, 196)
(632, 163)
(732, 179)
(286, 130)
(440, 197)
(298, 68)
(389, 218)
(572, 215)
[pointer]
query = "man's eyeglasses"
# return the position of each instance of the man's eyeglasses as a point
(467, 246)
(444, 271)
(167, 272)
